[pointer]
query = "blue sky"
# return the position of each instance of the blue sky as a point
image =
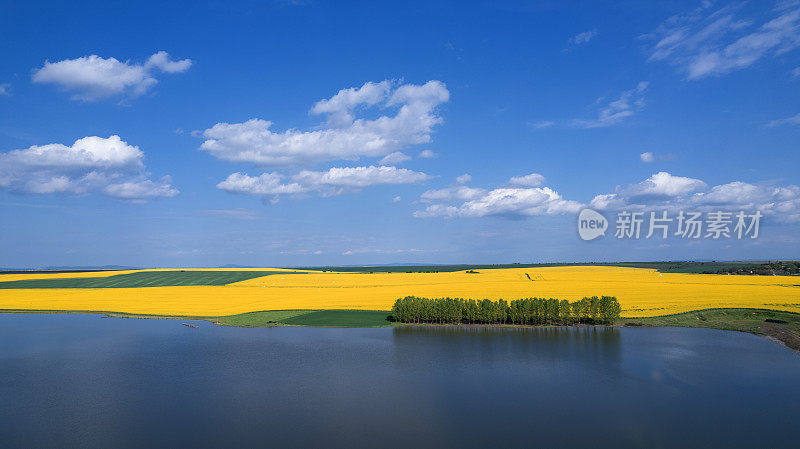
(333, 133)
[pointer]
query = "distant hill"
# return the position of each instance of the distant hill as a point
(664, 267)
(67, 269)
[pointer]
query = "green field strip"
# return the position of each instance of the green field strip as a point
(259, 319)
(142, 279)
(341, 318)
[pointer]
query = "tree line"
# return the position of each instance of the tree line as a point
(530, 311)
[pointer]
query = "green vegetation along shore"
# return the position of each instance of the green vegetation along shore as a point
(780, 326)
(266, 318)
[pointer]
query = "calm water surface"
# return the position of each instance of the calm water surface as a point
(83, 381)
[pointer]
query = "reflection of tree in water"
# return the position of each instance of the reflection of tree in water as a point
(514, 345)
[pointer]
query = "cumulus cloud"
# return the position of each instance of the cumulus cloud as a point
(793, 120)
(582, 38)
(647, 157)
(109, 166)
(532, 180)
(463, 201)
(92, 78)
(629, 102)
(340, 107)
(335, 181)
(707, 41)
(661, 185)
(463, 179)
(264, 184)
(4, 89)
(162, 62)
(796, 72)
(663, 190)
(506, 202)
(343, 136)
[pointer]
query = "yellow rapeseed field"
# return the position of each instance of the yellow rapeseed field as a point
(641, 292)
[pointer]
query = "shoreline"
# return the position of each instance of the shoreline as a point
(782, 328)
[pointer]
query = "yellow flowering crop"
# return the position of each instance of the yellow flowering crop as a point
(641, 292)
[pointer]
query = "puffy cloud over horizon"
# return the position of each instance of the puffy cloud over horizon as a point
(343, 136)
(93, 78)
(665, 191)
(109, 166)
(660, 191)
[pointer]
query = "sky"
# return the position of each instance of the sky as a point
(309, 133)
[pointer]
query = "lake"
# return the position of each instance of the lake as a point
(86, 381)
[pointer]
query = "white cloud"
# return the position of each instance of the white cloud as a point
(343, 137)
(141, 189)
(161, 61)
(358, 177)
(542, 124)
(396, 199)
(92, 164)
(265, 184)
(394, 158)
(793, 120)
(4, 89)
(451, 194)
(340, 107)
(796, 72)
(650, 157)
(709, 42)
(662, 185)
(335, 181)
(609, 201)
(506, 202)
(93, 78)
(658, 192)
(532, 180)
(427, 154)
(628, 103)
(582, 38)
(513, 202)
(463, 179)
(663, 190)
